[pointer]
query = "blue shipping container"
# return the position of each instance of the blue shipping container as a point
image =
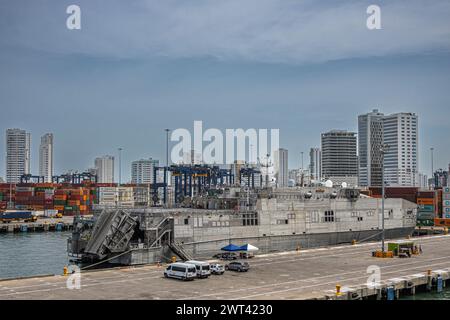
(17, 215)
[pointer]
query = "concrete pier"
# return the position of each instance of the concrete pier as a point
(42, 224)
(306, 274)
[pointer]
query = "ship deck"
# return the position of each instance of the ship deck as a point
(305, 274)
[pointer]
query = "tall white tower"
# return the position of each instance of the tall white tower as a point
(17, 154)
(281, 167)
(46, 157)
(401, 161)
(105, 169)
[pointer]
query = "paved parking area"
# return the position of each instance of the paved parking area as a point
(288, 275)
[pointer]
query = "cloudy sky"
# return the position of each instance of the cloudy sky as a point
(137, 67)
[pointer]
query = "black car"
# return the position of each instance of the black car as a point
(226, 256)
(238, 266)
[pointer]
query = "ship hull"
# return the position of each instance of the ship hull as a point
(267, 244)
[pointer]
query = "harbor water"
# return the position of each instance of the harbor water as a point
(32, 253)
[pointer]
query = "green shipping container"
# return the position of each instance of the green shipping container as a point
(426, 208)
(425, 223)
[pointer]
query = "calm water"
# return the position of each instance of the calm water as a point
(32, 253)
(444, 295)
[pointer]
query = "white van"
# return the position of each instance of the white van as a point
(203, 268)
(180, 270)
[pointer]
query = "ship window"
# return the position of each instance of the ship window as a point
(283, 221)
(250, 219)
(186, 221)
(291, 216)
(314, 216)
(329, 216)
(360, 218)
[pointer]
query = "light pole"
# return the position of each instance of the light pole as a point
(302, 160)
(167, 146)
(383, 150)
(432, 168)
(166, 171)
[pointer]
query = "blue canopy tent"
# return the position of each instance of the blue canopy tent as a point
(231, 247)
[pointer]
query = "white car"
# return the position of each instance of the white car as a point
(217, 268)
(183, 271)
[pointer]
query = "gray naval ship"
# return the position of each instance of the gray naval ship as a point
(270, 219)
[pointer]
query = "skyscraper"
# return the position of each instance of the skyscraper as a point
(339, 157)
(105, 169)
(46, 157)
(142, 171)
(281, 167)
(17, 154)
(401, 134)
(315, 163)
(370, 142)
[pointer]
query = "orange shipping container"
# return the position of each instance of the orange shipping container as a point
(425, 201)
(442, 222)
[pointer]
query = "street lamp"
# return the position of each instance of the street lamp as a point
(120, 166)
(432, 168)
(166, 172)
(384, 148)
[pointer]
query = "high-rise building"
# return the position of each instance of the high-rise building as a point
(105, 169)
(142, 171)
(401, 135)
(315, 163)
(281, 167)
(339, 157)
(18, 144)
(423, 181)
(370, 143)
(46, 157)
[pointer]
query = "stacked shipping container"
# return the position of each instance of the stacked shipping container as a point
(5, 191)
(428, 209)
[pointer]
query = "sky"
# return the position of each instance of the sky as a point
(136, 68)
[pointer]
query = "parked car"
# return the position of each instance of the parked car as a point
(238, 266)
(203, 268)
(226, 256)
(246, 255)
(217, 268)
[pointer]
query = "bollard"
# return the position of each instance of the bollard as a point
(338, 290)
(66, 270)
(353, 242)
(429, 280)
(298, 248)
(439, 284)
